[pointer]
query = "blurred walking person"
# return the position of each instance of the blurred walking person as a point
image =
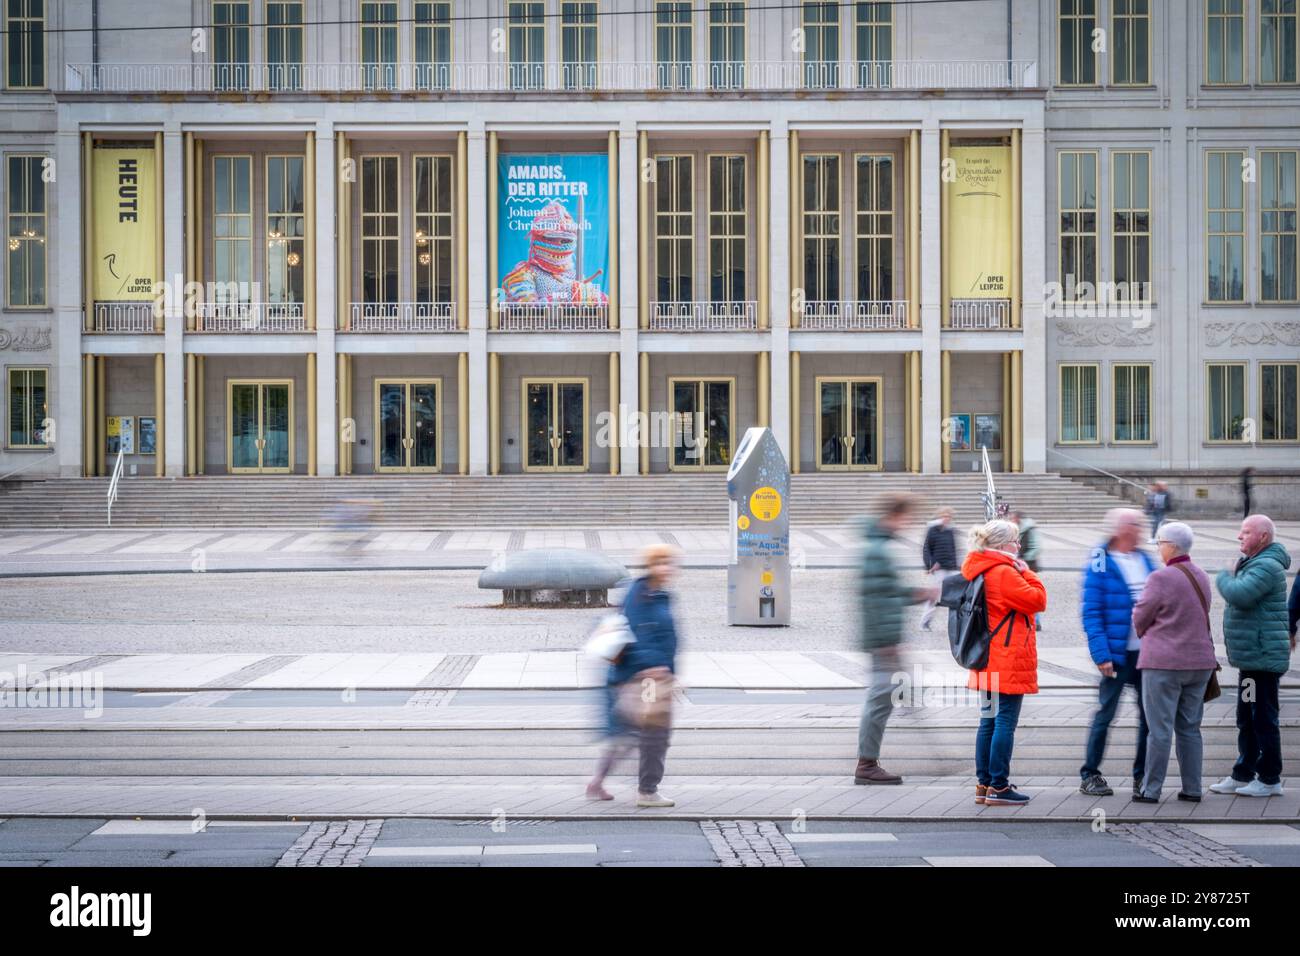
(883, 600)
(1158, 504)
(1112, 583)
(1259, 641)
(639, 684)
(1247, 487)
(939, 556)
(1031, 549)
(1172, 617)
(1013, 595)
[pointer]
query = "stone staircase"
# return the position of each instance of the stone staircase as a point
(454, 502)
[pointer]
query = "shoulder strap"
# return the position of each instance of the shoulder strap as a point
(1196, 585)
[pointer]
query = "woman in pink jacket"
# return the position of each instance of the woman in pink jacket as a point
(1176, 660)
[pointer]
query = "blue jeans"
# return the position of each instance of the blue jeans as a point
(1108, 695)
(999, 714)
(1259, 738)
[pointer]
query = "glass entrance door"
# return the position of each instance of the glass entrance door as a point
(555, 424)
(702, 429)
(406, 425)
(260, 422)
(848, 424)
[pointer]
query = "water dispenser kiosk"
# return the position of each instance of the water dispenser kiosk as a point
(758, 572)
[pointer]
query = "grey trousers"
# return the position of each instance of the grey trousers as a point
(879, 702)
(1174, 702)
(654, 746)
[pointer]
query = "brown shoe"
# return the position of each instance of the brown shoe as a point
(870, 772)
(980, 791)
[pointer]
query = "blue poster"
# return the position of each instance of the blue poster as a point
(553, 227)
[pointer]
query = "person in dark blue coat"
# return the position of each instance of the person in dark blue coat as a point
(647, 606)
(1112, 583)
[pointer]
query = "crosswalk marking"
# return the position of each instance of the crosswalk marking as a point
(841, 838)
(520, 849)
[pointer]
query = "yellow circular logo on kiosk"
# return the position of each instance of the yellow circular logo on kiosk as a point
(765, 503)
(742, 522)
(765, 577)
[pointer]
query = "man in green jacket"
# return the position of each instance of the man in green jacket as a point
(1259, 644)
(883, 600)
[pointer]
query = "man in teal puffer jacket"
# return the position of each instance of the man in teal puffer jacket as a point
(1259, 644)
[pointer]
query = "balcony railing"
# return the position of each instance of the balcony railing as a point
(525, 317)
(402, 317)
(854, 315)
(704, 316)
(979, 314)
(504, 76)
(251, 317)
(124, 317)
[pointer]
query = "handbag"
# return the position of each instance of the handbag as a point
(1212, 690)
(646, 701)
(610, 638)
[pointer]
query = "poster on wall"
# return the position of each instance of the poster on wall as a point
(988, 432)
(553, 228)
(120, 434)
(125, 224)
(979, 209)
(148, 435)
(959, 432)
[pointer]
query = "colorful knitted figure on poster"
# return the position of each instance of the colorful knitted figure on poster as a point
(549, 274)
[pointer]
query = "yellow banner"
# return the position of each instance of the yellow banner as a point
(979, 234)
(125, 224)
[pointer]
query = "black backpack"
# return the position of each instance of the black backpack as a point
(968, 627)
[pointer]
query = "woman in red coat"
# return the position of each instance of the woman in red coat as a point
(1013, 595)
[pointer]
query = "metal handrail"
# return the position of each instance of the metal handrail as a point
(1103, 471)
(21, 468)
(990, 495)
(113, 483)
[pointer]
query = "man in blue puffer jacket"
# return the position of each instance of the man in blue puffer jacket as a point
(1112, 583)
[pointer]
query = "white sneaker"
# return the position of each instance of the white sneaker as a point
(653, 800)
(1228, 784)
(1257, 788)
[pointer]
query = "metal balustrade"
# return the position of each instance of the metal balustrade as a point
(532, 317)
(731, 316)
(502, 75)
(402, 317)
(854, 315)
(979, 314)
(123, 317)
(250, 317)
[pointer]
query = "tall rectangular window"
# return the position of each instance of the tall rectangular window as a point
(284, 44)
(25, 44)
(675, 228)
(1278, 262)
(1227, 401)
(286, 229)
(379, 44)
(380, 229)
(526, 39)
(29, 408)
(821, 52)
(1075, 24)
(578, 38)
(726, 44)
(1225, 213)
(26, 216)
(1225, 42)
(1130, 24)
(1277, 41)
(1079, 404)
(1279, 401)
(231, 44)
(432, 44)
(674, 46)
(232, 229)
(874, 43)
(727, 215)
(433, 225)
(821, 227)
(1132, 403)
(1131, 212)
(874, 226)
(1077, 238)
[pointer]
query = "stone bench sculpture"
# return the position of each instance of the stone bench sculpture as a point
(568, 576)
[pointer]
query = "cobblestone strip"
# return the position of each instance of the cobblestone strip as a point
(440, 542)
(749, 843)
(1180, 845)
(516, 541)
(591, 540)
(333, 843)
(438, 686)
(667, 537)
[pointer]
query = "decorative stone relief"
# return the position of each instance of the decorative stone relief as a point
(30, 338)
(1252, 333)
(1092, 332)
